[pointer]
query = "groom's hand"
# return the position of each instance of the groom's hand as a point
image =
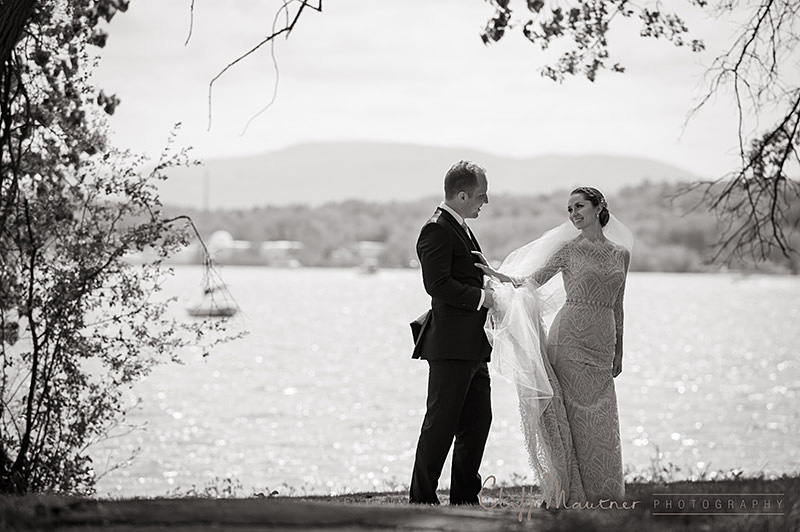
(488, 298)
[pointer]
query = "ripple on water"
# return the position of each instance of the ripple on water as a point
(320, 400)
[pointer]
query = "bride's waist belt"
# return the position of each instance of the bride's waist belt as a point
(589, 302)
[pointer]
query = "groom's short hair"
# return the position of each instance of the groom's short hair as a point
(462, 176)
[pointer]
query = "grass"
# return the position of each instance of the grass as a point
(219, 509)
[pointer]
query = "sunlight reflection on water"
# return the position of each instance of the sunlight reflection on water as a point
(322, 396)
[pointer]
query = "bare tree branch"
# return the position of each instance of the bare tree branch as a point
(287, 29)
(191, 23)
(274, 66)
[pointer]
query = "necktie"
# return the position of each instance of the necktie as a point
(469, 234)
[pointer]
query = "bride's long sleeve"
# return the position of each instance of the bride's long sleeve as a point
(553, 265)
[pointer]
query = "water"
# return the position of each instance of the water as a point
(323, 397)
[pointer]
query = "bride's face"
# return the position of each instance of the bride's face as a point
(581, 211)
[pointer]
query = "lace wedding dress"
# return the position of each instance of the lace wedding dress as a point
(564, 379)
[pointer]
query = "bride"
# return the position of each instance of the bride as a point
(564, 377)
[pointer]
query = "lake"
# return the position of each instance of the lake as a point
(322, 395)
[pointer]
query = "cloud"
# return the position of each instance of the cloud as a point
(411, 71)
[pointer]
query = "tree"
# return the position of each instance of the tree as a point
(78, 322)
(752, 201)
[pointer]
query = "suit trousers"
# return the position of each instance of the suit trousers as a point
(459, 406)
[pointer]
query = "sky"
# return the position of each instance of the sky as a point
(411, 71)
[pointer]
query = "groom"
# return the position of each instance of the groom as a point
(454, 343)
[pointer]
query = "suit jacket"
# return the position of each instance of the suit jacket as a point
(453, 329)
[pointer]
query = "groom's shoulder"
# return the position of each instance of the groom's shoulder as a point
(436, 224)
(435, 218)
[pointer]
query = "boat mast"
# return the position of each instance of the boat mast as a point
(206, 186)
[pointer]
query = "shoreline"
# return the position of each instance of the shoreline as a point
(382, 510)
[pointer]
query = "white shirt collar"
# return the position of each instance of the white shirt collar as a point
(457, 216)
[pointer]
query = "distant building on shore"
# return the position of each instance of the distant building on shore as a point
(279, 253)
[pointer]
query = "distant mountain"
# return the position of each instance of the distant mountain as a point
(333, 171)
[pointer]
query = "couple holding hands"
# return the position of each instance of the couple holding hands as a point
(563, 374)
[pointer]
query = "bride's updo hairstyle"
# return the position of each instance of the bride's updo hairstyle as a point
(596, 198)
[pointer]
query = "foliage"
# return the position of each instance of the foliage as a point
(79, 324)
(221, 488)
(757, 71)
(586, 24)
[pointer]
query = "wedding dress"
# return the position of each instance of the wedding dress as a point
(563, 378)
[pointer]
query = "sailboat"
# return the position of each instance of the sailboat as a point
(216, 302)
(210, 308)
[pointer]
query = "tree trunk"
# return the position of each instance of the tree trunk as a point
(14, 15)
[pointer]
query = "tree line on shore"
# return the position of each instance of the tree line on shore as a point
(673, 233)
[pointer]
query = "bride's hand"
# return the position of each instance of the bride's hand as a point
(482, 260)
(616, 367)
(487, 270)
(484, 266)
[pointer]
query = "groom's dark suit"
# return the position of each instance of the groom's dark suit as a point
(454, 343)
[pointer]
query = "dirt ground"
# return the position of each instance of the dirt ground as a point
(512, 510)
